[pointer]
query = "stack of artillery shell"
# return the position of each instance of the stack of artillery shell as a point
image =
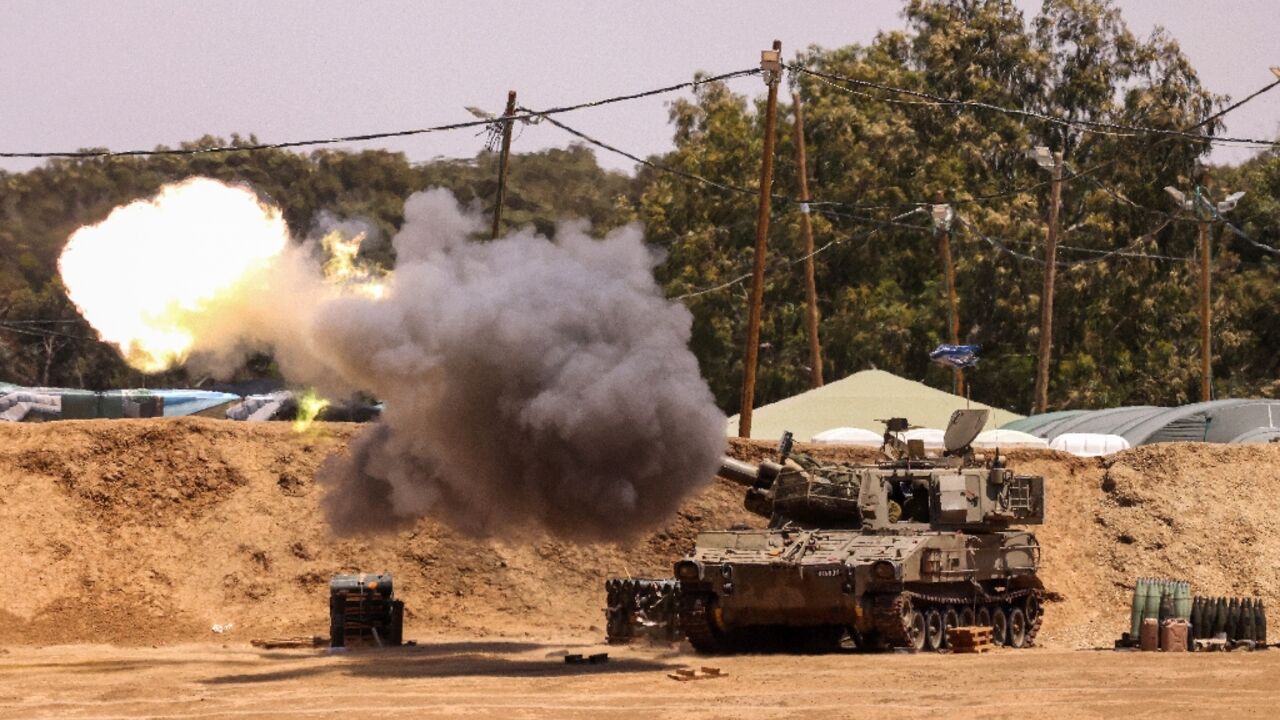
(1159, 600)
(1236, 619)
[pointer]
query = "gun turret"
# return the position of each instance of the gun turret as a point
(808, 493)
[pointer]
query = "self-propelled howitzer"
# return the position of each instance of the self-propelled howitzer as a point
(891, 554)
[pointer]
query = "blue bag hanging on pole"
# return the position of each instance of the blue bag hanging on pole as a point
(957, 356)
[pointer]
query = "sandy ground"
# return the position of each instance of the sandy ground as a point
(524, 678)
(127, 541)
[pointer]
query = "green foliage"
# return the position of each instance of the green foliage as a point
(1125, 329)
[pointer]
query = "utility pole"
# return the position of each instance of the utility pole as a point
(1206, 347)
(1050, 277)
(1206, 322)
(502, 163)
(771, 65)
(810, 284)
(1207, 212)
(942, 216)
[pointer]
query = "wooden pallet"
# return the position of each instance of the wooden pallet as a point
(970, 639)
(301, 641)
(687, 674)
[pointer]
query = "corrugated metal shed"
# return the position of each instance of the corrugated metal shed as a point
(1223, 421)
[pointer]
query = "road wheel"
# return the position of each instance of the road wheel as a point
(983, 617)
(933, 630)
(1031, 608)
(968, 617)
(915, 631)
(700, 621)
(999, 627)
(1017, 628)
(950, 619)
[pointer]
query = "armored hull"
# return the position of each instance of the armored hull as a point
(890, 554)
(882, 589)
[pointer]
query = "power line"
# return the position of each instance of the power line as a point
(1103, 255)
(789, 263)
(820, 205)
(383, 135)
(1240, 234)
(647, 163)
(1173, 217)
(1085, 125)
(930, 103)
(745, 190)
(39, 322)
(42, 333)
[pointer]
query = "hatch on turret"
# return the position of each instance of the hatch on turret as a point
(963, 428)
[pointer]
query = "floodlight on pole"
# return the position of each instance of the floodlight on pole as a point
(1179, 197)
(1042, 156)
(942, 216)
(1229, 202)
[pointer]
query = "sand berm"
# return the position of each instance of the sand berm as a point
(153, 531)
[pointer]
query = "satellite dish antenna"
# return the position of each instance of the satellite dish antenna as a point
(963, 428)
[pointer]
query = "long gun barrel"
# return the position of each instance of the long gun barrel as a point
(739, 472)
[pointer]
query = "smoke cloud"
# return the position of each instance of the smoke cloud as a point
(530, 384)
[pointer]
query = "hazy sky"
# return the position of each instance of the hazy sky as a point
(128, 74)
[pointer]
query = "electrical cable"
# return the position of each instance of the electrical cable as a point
(1259, 245)
(383, 135)
(38, 322)
(1173, 217)
(819, 204)
(1087, 125)
(647, 163)
(789, 263)
(1103, 255)
(44, 333)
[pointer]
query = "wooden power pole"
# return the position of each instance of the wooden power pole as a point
(1206, 267)
(1206, 343)
(771, 64)
(942, 225)
(810, 284)
(502, 163)
(1046, 299)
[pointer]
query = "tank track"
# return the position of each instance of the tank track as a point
(888, 611)
(695, 622)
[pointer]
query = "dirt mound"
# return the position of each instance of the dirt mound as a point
(138, 532)
(146, 531)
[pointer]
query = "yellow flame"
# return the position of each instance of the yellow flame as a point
(309, 406)
(343, 268)
(140, 274)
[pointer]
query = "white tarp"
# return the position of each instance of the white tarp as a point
(1003, 439)
(932, 437)
(1089, 444)
(849, 436)
(256, 408)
